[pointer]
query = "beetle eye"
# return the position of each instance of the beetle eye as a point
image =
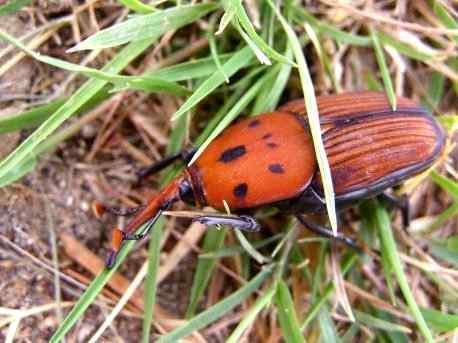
(186, 193)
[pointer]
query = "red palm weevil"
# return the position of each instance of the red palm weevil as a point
(269, 159)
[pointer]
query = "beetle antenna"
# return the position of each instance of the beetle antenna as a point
(150, 213)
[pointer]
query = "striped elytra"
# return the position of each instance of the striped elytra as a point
(369, 146)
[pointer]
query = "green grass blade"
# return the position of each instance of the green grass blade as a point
(287, 314)
(450, 122)
(269, 98)
(88, 297)
(328, 330)
(154, 250)
(13, 6)
(237, 249)
(75, 102)
(138, 6)
(383, 68)
(313, 119)
(149, 84)
(190, 70)
(145, 26)
(218, 310)
(445, 18)
(328, 289)
(37, 115)
(30, 118)
(213, 241)
(404, 48)
(378, 323)
(387, 239)
(439, 320)
(249, 317)
(19, 170)
(238, 61)
(216, 56)
(244, 20)
(445, 183)
(300, 15)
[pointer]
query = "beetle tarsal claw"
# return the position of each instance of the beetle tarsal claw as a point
(241, 222)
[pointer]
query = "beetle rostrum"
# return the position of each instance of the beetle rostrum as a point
(271, 159)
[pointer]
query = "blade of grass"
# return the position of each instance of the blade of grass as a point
(150, 84)
(237, 249)
(383, 68)
(13, 6)
(261, 303)
(216, 56)
(287, 314)
(235, 63)
(218, 310)
(244, 20)
(328, 329)
(387, 239)
(213, 241)
(150, 287)
(313, 119)
(446, 184)
(300, 15)
(377, 323)
(269, 98)
(88, 297)
(145, 26)
(138, 6)
(328, 289)
(37, 115)
(439, 320)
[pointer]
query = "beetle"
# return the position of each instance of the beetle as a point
(269, 159)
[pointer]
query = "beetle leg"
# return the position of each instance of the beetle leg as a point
(242, 222)
(149, 225)
(325, 232)
(402, 203)
(184, 155)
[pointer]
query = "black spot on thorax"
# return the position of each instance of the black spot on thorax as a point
(276, 168)
(231, 154)
(272, 145)
(240, 190)
(267, 136)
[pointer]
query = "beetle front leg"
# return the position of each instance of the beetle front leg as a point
(185, 155)
(325, 232)
(402, 203)
(242, 222)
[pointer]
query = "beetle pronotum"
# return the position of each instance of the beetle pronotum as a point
(269, 159)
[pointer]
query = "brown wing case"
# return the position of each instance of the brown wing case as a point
(370, 147)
